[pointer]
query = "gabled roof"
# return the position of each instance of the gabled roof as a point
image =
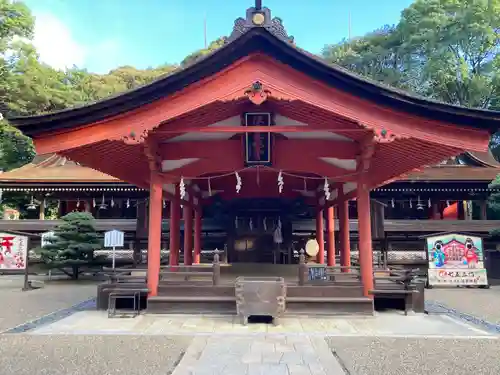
(269, 38)
(54, 168)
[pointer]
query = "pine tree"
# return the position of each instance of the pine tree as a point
(73, 244)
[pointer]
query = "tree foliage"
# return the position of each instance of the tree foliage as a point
(447, 50)
(73, 244)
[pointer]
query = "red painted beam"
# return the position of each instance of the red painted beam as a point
(317, 148)
(202, 167)
(219, 150)
(257, 129)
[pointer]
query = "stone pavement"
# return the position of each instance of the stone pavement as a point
(261, 355)
(387, 324)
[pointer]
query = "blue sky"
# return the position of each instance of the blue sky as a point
(103, 34)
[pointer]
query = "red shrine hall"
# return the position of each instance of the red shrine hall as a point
(255, 126)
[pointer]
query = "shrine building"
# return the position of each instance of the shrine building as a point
(257, 126)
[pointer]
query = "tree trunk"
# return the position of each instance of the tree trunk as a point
(75, 274)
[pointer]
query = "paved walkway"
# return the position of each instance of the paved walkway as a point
(263, 355)
(27, 306)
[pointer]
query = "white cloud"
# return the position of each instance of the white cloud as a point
(57, 46)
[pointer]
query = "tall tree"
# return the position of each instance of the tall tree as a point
(16, 23)
(379, 55)
(457, 43)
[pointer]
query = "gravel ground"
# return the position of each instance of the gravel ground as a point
(90, 355)
(26, 306)
(388, 356)
(482, 303)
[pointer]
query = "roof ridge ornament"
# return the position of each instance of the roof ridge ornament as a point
(258, 16)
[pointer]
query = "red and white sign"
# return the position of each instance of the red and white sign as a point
(13, 251)
(457, 277)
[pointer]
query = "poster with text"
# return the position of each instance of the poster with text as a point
(13, 251)
(456, 259)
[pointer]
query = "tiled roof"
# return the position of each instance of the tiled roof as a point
(54, 168)
(453, 173)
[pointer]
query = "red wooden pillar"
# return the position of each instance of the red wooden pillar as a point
(320, 237)
(154, 235)
(197, 235)
(330, 238)
(175, 218)
(345, 243)
(365, 238)
(188, 235)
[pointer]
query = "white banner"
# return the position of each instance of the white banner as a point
(13, 251)
(457, 277)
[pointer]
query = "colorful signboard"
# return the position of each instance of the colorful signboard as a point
(13, 251)
(456, 259)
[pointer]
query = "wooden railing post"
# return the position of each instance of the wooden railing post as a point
(302, 268)
(216, 268)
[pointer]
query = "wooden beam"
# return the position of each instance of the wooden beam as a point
(218, 150)
(256, 129)
(150, 148)
(221, 149)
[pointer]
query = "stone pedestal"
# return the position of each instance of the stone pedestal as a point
(264, 296)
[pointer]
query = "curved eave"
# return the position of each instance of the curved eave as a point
(254, 41)
(482, 159)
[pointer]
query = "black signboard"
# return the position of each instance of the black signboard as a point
(317, 273)
(258, 145)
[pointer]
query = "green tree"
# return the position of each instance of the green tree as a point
(73, 244)
(16, 23)
(379, 55)
(197, 55)
(457, 45)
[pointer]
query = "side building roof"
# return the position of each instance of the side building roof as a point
(52, 169)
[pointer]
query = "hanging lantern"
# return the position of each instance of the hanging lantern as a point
(420, 206)
(103, 204)
(31, 206)
(280, 182)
